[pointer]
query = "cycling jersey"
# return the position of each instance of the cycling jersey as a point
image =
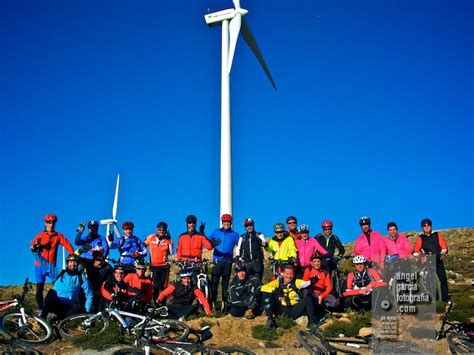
(144, 284)
(160, 249)
(244, 293)
(330, 244)
(68, 286)
(358, 281)
(282, 249)
(225, 250)
(323, 286)
(128, 247)
(49, 242)
(93, 241)
(433, 243)
(190, 246)
(249, 247)
(400, 245)
(306, 248)
(287, 293)
(184, 296)
(124, 290)
(373, 249)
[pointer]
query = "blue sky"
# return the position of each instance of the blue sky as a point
(373, 116)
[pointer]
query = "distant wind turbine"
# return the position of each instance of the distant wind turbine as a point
(232, 24)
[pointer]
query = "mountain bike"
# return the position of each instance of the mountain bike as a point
(460, 335)
(200, 277)
(94, 324)
(146, 341)
(315, 343)
(21, 325)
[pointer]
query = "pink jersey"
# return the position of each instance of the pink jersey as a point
(306, 249)
(375, 251)
(401, 246)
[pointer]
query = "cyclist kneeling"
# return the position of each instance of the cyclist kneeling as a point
(63, 298)
(322, 296)
(288, 296)
(183, 295)
(140, 281)
(361, 283)
(116, 289)
(244, 292)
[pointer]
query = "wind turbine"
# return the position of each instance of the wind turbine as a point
(113, 221)
(232, 24)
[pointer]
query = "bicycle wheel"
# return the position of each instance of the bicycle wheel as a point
(169, 329)
(34, 330)
(315, 343)
(79, 325)
(230, 350)
(459, 344)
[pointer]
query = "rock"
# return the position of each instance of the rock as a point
(302, 321)
(365, 331)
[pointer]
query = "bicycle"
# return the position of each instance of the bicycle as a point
(21, 325)
(80, 325)
(315, 343)
(200, 270)
(145, 341)
(460, 335)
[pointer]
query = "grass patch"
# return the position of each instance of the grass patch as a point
(285, 322)
(110, 337)
(462, 296)
(348, 329)
(262, 332)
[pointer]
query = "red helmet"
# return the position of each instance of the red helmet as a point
(326, 224)
(51, 218)
(128, 225)
(226, 218)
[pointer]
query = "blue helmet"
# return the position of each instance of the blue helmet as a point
(93, 224)
(186, 273)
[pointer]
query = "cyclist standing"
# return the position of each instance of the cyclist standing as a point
(397, 243)
(283, 248)
(161, 247)
(330, 242)
(249, 249)
(93, 238)
(430, 242)
(307, 247)
(226, 240)
(370, 244)
(130, 246)
(45, 245)
(291, 223)
(191, 242)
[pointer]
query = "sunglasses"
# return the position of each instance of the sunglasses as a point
(327, 229)
(291, 223)
(49, 222)
(426, 225)
(248, 225)
(192, 223)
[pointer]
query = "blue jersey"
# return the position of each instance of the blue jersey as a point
(93, 241)
(129, 246)
(225, 250)
(68, 286)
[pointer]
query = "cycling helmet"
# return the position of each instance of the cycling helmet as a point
(390, 259)
(92, 224)
(128, 225)
(97, 252)
(303, 228)
(359, 259)
(391, 224)
(51, 218)
(186, 273)
(426, 221)
(364, 220)
(291, 218)
(191, 218)
(240, 266)
(119, 266)
(226, 218)
(72, 257)
(162, 225)
(326, 224)
(278, 227)
(139, 264)
(249, 222)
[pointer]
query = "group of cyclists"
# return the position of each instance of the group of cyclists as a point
(301, 282)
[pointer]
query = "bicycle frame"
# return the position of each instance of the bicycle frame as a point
(17, 302)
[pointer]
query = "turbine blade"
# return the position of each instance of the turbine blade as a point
(114, 208)
(250, 39)
(236, 4)
(116, 230)
(234, 29)
(107, 231)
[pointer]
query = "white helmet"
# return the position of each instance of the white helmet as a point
(359, 259)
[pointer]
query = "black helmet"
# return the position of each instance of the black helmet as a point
(92, 224)
(119, 266)
(162, 225)
(191, 218)
(426, 221)
(291, 218)
(240, 266)
(364, 220)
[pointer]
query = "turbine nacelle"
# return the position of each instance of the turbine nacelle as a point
(216, 18)
(108, 221)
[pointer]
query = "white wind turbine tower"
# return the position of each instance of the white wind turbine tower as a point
(232, 24)
(113, 220)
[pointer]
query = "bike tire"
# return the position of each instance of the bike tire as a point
(169, 329)
(230, 350)
(129, 351)
(73, 327)
(314, 343)
(35, 331)
(460, 344)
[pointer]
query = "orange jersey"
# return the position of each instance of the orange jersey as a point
(50, 243)
(144, 284)
(160, 249)
(323, 286)
(190, 247)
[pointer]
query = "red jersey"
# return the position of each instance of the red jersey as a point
(50, 242)
(160, 249)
